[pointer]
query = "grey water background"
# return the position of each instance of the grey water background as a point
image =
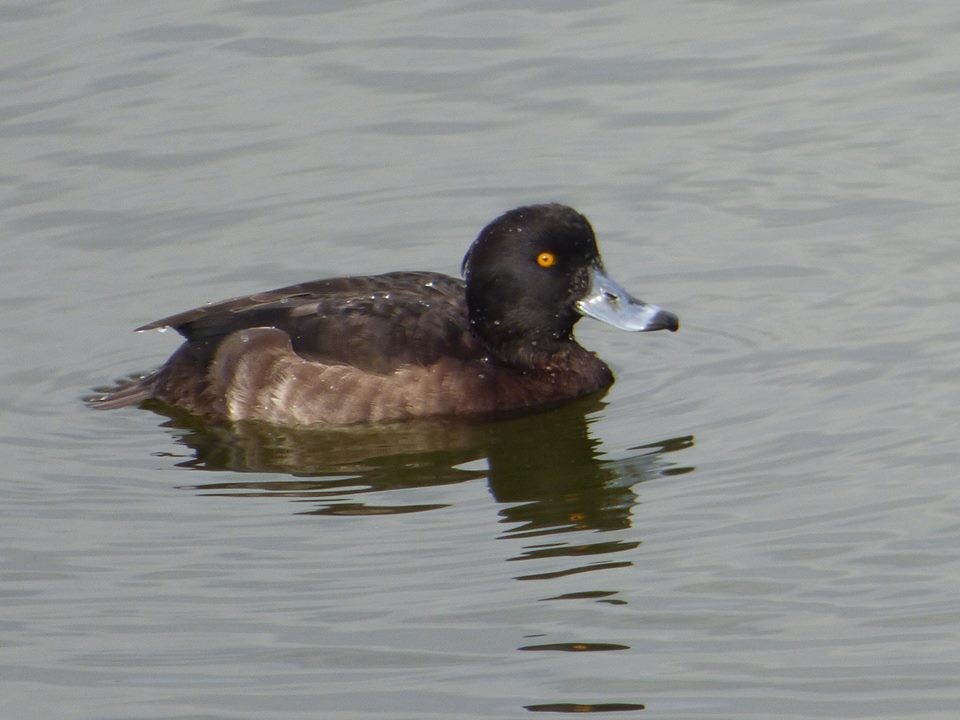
(760, 520)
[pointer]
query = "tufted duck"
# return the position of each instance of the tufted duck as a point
(407, 344)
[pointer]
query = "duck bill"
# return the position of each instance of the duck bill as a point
(607, 301)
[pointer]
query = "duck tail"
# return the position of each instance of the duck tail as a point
(125, 393)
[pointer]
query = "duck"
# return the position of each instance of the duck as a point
(408, 344)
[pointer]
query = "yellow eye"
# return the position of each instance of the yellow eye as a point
(546, 259)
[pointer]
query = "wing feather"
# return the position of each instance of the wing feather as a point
(376, 322)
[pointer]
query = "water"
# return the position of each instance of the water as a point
(760, 520)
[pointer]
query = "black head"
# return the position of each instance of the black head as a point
(532, 273)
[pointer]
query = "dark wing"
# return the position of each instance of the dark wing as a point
(375, 322)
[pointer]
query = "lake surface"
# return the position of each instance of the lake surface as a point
(760, 520)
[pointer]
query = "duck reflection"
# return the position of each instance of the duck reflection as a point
(546, 469)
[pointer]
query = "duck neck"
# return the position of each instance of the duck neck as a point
(521, 346)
